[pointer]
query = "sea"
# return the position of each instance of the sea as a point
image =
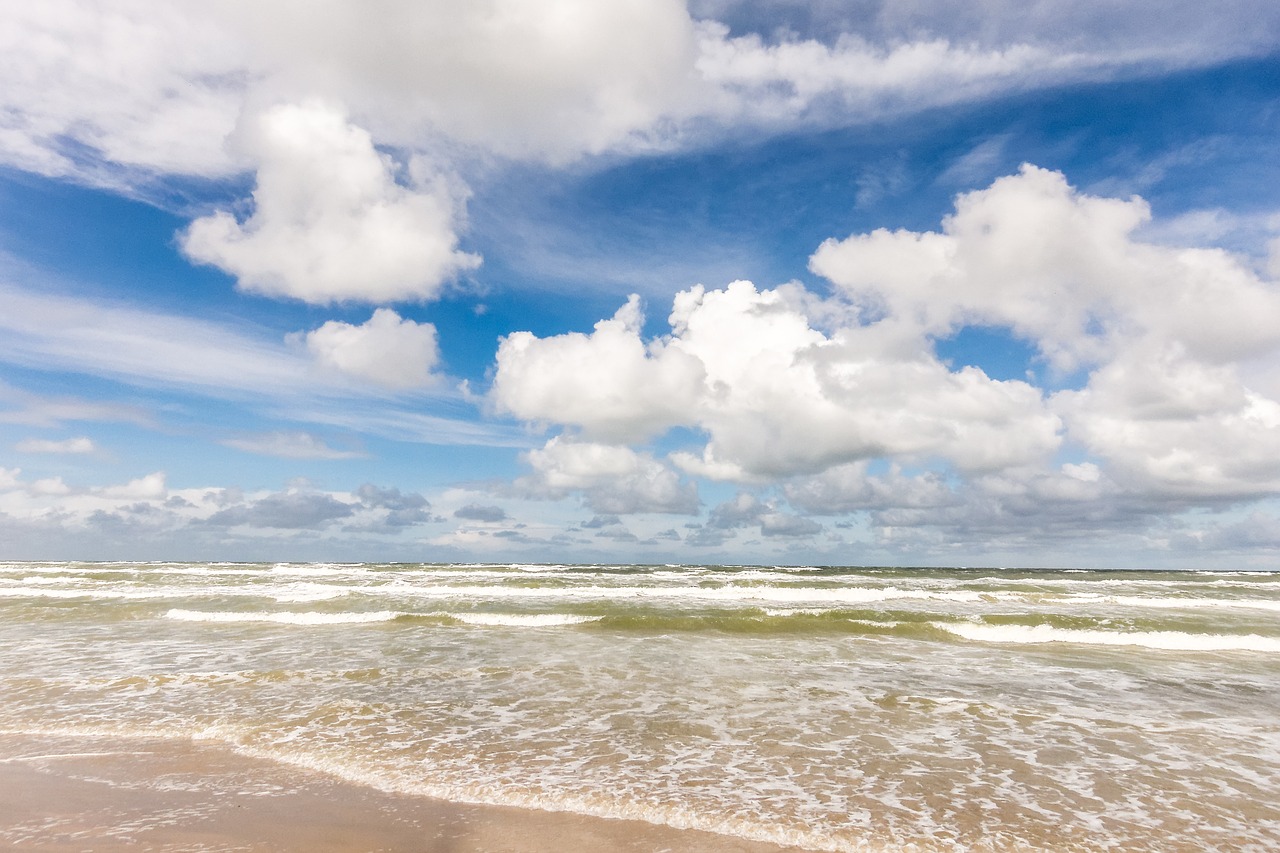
(833, 708)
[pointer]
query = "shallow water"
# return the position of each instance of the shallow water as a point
(839, 709)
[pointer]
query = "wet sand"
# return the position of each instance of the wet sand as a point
(103, 795)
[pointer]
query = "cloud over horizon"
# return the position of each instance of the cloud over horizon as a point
(1156, 334)
(282, 243)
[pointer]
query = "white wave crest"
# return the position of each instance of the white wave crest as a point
(733, 593)
(522, 620)
(282, 617)
(1166, 640)
(1196, 603)
(45, 592)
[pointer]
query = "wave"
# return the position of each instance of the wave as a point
(1165, 640)
(828, 595)
(522, 620)
(45, 592)
(1194, 603)
(604, 804)
(514, 620)
(286, 618)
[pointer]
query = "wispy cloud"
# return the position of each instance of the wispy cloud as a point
(47, 331)
(44, 445)
(291, 445)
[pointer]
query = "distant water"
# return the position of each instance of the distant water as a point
(840, 709)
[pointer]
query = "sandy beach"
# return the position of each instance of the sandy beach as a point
(102, 795)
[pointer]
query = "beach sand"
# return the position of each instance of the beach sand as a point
(102, 794)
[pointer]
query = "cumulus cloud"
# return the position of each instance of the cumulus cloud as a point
(386, 350)
(150, 487)
(52, 486)
(788, 525)
(145, 517)
(44, 445)
(1061, 269)
(375, 496)
(852, 488)
(1161, 330)
(331, 223)
(284, 510)
(610, 382)
(777, 396)
(743, 510)
(477, 512)
(1164, 420)
(785, 385)
(746, 510)
(398, 508)
(613, 480)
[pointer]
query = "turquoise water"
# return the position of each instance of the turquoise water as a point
(839, 709)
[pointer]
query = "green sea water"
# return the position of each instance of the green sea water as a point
(835, 708)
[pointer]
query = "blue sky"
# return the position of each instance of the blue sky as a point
(856, 283)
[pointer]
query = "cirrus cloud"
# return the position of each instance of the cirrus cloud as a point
(44, 445)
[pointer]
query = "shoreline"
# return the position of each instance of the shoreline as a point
(73, 793)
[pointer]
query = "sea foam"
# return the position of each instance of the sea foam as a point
(283, 617)
(522, 620)
(1167, 640)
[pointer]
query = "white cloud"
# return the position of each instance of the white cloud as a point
(614, 480)
(550, 80)
(790, 78)
(746, 510)
(609, 382)
(386, 350)
(106, 339)
(980, 163)
(149, 349)
(92, 88)
(43, 445)
(1061, 269)
(132, 83)
(150, 487)
(330, 222)
(850, 488)
(776, 396)
(50, 486)
(786, 524)
(1163, 335)
(23, 407)
(481, 513)
(1169, 423)
(783, 398)
(144, 516)
(1163, 330)
(1184, 28)
(291, 445)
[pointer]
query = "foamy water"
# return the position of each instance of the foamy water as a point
(839, 709)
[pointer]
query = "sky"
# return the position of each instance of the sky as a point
(781, 282)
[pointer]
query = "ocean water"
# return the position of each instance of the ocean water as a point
(834, 708)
